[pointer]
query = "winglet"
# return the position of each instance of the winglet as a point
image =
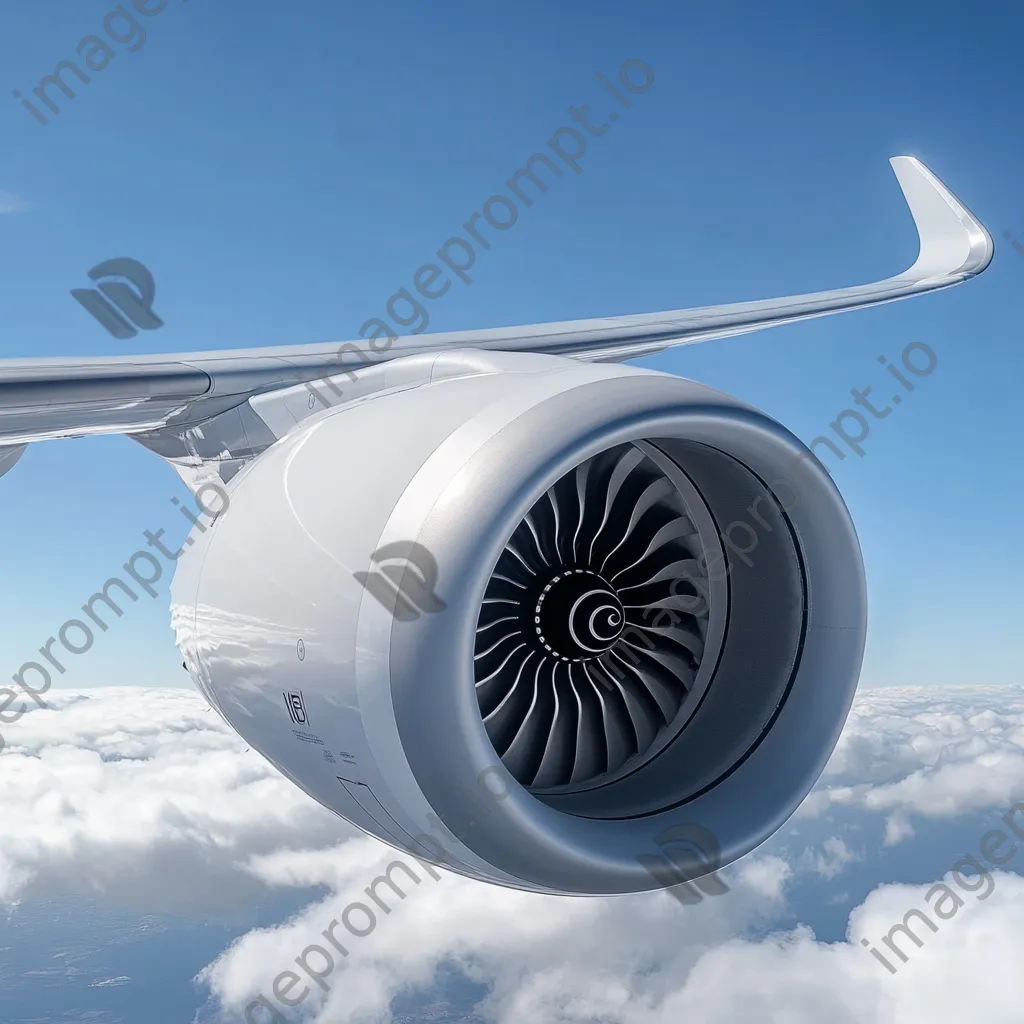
(954, 243)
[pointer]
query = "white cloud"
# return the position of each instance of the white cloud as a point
(584, 956)
(766, 876)
(968, 970)
(144, 795)
(938, 753)
(897, 829)
(10, 203)
(646, 960)
(835, 856)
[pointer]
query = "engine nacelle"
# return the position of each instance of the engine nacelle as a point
(566, 612)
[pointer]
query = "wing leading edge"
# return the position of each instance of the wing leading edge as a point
(49, 398)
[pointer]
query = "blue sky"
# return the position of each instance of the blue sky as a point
(284, 168)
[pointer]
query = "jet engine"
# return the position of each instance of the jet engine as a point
(535, 619)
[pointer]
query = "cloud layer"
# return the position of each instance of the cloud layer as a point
(145, 796)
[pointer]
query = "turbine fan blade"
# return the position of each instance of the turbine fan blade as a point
(585, 653)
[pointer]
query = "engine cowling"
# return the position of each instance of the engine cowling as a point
(537, 620)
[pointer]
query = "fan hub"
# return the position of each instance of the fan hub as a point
(578, 616)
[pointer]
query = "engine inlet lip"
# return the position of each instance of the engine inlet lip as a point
(528, 841)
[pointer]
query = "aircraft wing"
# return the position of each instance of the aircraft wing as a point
(50, 398)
